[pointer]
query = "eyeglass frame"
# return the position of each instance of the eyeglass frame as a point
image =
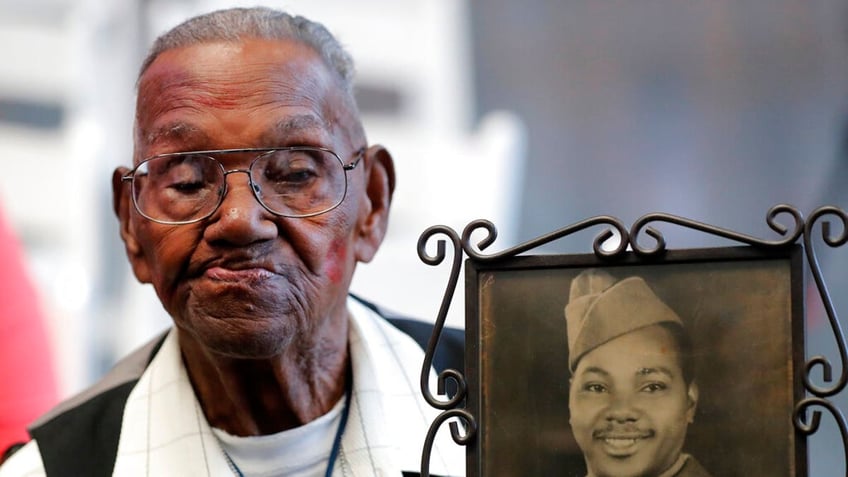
(357, 157)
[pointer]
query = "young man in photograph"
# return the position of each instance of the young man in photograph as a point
(632, 395)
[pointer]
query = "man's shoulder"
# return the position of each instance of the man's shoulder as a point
(693, 468)
(89, 423)
(127, 370)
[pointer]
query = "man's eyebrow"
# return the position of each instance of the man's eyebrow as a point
(655, 370)
(595, 370)
(179, 132)
(297, 124)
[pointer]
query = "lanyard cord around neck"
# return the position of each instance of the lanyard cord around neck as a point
(337, 440)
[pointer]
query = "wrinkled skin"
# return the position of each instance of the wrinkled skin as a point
(259, 300)
(630, 405)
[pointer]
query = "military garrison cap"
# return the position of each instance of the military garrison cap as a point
(600, 308)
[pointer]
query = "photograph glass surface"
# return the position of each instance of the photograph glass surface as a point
(742, 315)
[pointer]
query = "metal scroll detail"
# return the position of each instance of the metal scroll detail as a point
(821, 393)
(617, 228)
(449, 407)
(771, 220)
(606, 248)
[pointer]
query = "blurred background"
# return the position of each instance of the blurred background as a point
(532, 114)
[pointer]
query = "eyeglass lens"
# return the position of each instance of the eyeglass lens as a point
(185, 187)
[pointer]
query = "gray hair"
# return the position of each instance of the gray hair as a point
(234, 24)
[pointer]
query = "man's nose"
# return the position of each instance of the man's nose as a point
(622, 409)
(240, 219)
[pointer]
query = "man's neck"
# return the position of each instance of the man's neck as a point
(671, 471)
(248, 397)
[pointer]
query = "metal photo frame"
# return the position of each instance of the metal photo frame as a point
(761, 395)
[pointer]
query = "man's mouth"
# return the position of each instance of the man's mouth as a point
(622, 444)
(246, 275)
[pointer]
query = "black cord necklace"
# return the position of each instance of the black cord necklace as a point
(337, 440)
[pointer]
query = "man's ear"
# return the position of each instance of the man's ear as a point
(376, 201)
(122, 205)
(692, 397)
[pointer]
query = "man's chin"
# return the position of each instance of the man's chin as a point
(241, 337)
(631, 466)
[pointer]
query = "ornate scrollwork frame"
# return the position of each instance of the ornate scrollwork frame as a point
(785, 220)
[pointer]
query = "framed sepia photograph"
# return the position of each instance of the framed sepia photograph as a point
(689, 361)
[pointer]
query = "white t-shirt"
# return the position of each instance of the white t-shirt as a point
(299, 452)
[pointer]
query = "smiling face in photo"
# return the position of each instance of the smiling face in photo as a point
(630, 404)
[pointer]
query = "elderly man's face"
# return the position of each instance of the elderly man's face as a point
(245, 282)
(630, 406)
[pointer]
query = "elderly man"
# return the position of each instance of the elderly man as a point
(632, 394)
(252, 197)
